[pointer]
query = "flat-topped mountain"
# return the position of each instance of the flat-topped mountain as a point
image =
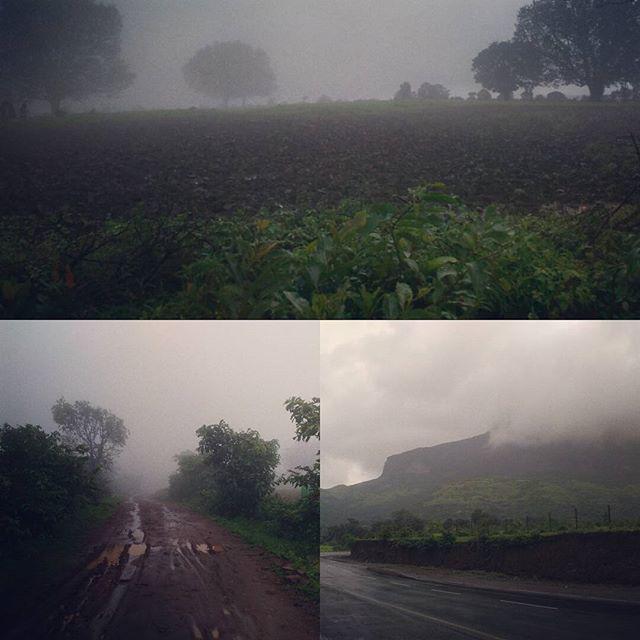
(504, 478)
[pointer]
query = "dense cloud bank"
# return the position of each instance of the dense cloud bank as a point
(388, 388)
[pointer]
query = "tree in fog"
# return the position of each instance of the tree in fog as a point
(429, 91)
(404, 92)
(505, 67)
(60, 49)
(584, 42)
(230, 71)
(242, 467)
(99, 433)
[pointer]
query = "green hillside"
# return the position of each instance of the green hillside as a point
(502, 497)
(508, 481)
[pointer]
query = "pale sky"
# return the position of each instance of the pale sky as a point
(344, 48)
(391, 387)
(164, 379)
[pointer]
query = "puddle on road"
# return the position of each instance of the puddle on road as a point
(114, 554)
(209, 548)
(110, 556)
(127, 554)
(137, 550)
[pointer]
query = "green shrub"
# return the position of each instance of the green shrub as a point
(43, 484)
(430, 257)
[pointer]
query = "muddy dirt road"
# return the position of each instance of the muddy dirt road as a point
(162, 571)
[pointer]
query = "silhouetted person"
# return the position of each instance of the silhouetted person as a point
(7, 111)
(24, 110)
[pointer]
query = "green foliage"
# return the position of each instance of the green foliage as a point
(430, 258)
(242, 466)
(194, 482)
(304, 515)
(433, 259)
(42, 484)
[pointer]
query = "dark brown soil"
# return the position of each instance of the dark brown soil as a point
(213, 162)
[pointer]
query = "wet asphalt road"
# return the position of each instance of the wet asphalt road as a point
(357, 604)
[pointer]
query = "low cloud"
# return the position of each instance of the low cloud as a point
(407, 385)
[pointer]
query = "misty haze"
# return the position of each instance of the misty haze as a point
(289, 159)
(142, 461)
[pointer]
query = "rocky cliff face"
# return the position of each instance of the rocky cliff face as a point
(448, 479)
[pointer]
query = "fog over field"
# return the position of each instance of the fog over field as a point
(347, 49)
(164, 379)
(391, 387)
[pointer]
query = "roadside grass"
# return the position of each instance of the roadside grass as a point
(28, 570)
(429, 257)
(303, 557)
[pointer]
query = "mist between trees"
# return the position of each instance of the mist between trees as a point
(69, 50)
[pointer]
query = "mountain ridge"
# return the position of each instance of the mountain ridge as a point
(453, 478)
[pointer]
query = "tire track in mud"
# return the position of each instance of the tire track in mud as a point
(166, 572)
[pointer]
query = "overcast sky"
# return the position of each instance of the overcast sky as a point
(164, 379)
(344, 48)
(392, 387)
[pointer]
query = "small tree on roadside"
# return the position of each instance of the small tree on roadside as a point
(242, 467)
(229, 71)
(305, 415)
(62, 49)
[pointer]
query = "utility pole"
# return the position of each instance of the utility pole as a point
(549, 518)
(575, 515)
(609, 515)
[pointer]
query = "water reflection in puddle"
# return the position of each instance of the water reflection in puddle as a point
(203, 547)
(137, 550)
(110, 556)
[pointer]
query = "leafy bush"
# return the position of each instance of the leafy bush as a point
(43, 483)
(430, 257)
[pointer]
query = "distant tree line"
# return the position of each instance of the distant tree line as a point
(403, 524)
(427, 91)
(587, 43)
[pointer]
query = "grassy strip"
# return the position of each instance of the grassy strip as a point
(301, 556)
